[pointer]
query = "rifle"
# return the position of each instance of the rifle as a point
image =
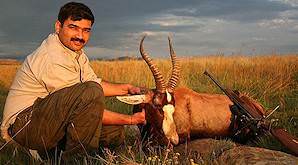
(253, 121)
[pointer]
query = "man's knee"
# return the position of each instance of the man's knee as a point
(112, 136)
(92, 91)
(93, 87)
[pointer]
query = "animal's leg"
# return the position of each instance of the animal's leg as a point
(188, 151)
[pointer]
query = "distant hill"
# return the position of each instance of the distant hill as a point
(9, 62)
(122, 58)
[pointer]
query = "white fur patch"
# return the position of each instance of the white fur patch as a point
(168, 124)
(169, 97)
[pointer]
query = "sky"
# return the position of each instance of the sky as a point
(197, 27)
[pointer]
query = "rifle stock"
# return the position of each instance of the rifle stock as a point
(288, 140)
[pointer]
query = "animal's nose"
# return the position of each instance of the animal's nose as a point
(174, 140)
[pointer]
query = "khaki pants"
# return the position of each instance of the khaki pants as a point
(70, 119)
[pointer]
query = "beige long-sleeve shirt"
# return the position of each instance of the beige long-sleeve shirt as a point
(49, 68)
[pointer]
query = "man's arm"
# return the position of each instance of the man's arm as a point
(111, 89)
(114, 118)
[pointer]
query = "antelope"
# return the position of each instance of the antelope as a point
(174, 115)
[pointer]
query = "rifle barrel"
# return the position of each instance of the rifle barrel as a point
(235, 99)
(216, 82)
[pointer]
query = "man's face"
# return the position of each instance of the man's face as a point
(74, 34)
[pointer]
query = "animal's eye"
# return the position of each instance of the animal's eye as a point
(156, 101)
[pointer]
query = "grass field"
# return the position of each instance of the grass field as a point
(270, 79)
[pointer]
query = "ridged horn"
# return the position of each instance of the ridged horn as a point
(175, 69)
(159, 80)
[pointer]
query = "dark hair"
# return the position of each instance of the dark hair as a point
(75, 11)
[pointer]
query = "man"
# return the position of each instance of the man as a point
(57, 100)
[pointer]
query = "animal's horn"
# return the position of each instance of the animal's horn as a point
(159, 81)
(175, 69)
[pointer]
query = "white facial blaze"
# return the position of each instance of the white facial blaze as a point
(168, 125)
(169, 97)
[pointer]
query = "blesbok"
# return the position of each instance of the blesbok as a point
(176, 115)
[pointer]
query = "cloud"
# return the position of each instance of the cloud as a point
(259, 39)
(275, 23)
(155, 34)
(285, 20)
(293, 3)
(2, 34)
(196, 26)
(234, 10)
(184, 11)
(290, 14)
(173, 20)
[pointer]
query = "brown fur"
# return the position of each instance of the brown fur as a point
(196, 114)
(201, 114)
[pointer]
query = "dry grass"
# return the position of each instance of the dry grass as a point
(271, 79)
(264, 77)
(7, 74)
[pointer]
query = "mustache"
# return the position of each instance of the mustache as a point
(78, 39)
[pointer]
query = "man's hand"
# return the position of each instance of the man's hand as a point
(138, 118)
(113, 89)
(134, 90)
